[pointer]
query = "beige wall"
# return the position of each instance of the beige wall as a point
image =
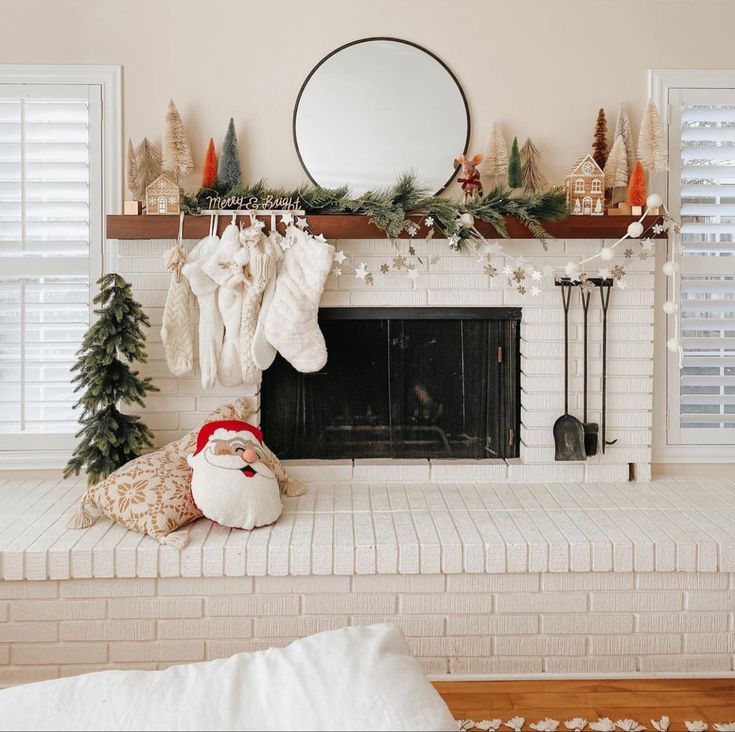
(540, 67)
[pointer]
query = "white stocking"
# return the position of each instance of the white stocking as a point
(225, 268)
(291, 325)
(211, 327)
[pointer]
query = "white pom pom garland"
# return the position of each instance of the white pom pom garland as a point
(669, 268)
(635, 229)
(467, 220)
(673, 344)
(654, 201)
(606, 254)
(671, 307)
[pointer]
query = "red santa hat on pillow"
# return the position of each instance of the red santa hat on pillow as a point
(230, 425)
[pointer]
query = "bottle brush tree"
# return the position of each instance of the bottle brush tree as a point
(599, 143)
(637, 193)
(616, 168)
(177, 159)
(109, 438)
(147, 167)
(495, 161)
(132, 170)
(623, 129)
(209, 178)
(533, 178)
(515, 178)
(651, 141)
(228, 172)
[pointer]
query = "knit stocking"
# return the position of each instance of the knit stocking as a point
(262, 267)
(225, 268)
(291, 324)
(176, 324)
(211, 327)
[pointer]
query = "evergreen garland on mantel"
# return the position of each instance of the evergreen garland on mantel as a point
(390, 208)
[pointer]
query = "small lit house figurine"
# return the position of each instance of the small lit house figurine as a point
(585, 188)
(162, 197)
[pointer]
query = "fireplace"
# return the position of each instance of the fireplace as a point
(401, 383)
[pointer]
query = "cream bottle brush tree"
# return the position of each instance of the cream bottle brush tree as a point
(532, 176)
(147, 167)
(623, 129)
(495, 162)
(177, 158)
(616, 169)
(651, 141)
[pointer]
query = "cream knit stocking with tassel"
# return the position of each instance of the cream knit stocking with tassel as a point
(262, 267)
(176, 326)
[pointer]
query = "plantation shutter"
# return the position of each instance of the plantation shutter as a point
(50, 249)
(702, 187)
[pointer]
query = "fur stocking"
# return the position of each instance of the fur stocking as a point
(291, 325)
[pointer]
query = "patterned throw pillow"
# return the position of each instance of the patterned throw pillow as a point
(152, 494)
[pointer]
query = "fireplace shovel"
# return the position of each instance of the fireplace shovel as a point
(568, 430)
(605, 289)
(591, 429)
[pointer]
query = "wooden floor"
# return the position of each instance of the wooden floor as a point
(711, 700)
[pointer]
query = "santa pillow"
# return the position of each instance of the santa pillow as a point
(232, 483)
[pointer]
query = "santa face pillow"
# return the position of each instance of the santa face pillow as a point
(231, 484)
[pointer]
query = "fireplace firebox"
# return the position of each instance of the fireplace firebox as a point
(401, 383)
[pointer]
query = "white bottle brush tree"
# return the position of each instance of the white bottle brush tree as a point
(651, 141)
(623, 129)
(495, 162)
(177, 158)
(532, 177)
(616, 170)
(110, 438)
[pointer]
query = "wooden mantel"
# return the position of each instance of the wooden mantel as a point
(350, 226)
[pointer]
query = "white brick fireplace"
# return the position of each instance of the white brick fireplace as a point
(457, 280)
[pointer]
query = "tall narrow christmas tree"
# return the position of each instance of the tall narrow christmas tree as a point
(147, 167)
(108, 438)
(599, 144)
(209, 178)
(651, 142)
(637, 194)
(533, 177)
(177, 159)
(228, 172)
(515, 178)
(495, 161)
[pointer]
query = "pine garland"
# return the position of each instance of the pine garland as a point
(390, 208)
(108, 438)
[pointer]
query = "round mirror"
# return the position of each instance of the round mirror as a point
(376, 108)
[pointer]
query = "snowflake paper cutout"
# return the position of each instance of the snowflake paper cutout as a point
(412, 250)
(536, 275)
(628, 253)
(489, 270)
(429, 222)
(658, 229)
(337, 271)
(400, 262)
(384, 268)
(618, 271)
(361, 271)
(535, 292)
(647, 244)
(339, 256)
(369, 279)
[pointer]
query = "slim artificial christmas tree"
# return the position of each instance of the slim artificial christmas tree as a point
(533, 178)
(637, 194)
(651, 142)
(228, 172)
(599, 144)
(495, 162)
(147, 167)
(623, 129)
(515, 179)
(109, 438)
(209, 178)
(177, 159)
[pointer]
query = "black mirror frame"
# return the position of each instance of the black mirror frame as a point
(394, 40)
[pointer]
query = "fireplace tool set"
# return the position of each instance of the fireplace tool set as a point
(575, 440)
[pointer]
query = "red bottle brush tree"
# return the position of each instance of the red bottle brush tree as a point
(209, 179)
(637, 193)
(599, 144)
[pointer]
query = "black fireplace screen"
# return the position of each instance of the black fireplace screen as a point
(401, 383)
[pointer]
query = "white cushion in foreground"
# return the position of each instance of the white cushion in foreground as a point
(361, 678)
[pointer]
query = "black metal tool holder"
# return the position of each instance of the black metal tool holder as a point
(590, 429)
(605, 290)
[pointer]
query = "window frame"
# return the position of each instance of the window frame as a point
(38, 451)
(662, 83)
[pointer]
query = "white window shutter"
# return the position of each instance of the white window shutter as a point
(50, 166)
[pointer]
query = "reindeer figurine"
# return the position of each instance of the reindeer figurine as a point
(470, 178)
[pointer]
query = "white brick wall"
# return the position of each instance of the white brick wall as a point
(590, 623)
(455, 279)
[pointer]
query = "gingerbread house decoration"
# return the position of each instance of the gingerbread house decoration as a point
(162, 196)
(585, 188)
